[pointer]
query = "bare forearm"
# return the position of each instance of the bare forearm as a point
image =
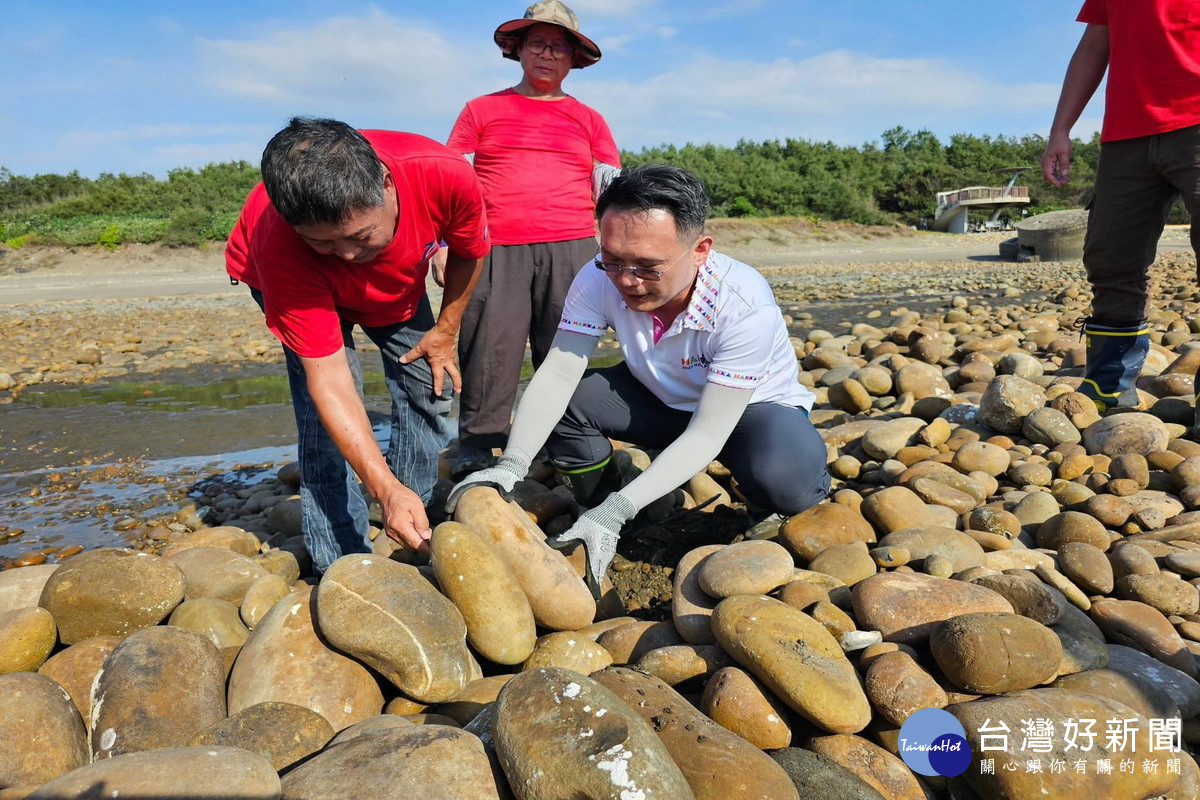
(461, 275)
(1084, 74)
(345, 419)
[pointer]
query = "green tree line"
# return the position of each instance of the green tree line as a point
(893, 180)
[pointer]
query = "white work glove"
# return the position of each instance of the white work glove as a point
(599, 530)
(502, 477)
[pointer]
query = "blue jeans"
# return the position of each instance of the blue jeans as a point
(333, 508)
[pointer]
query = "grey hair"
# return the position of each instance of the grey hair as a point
(320, 171)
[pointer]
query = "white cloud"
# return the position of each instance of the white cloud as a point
(379, 65)
(838, 95)
(667, 31)
(155, 132)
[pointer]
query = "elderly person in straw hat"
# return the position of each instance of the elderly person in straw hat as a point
(542, 157)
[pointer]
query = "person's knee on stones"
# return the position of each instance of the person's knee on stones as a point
(590, 484)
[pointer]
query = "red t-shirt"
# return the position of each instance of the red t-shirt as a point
(1153, 65)
(534, 159)
(307, 295)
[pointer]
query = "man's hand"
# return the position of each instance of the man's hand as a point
(404, 519)
(1056, 160)
(438, 348)
(599, 530)
(502, 477)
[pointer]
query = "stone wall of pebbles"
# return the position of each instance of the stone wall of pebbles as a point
(993, 547)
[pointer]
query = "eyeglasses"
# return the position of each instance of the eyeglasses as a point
(538, 46)
(641, 273)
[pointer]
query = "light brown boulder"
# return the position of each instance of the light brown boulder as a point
(887, 773)
(796, 658)
(716, 763)
(568, 650)
(217, 572)
(747, 567)
(282, 733)
(111, 591)
(808, 533)
(560, 734)
(228, 537)
(559, 599)
(995, 652)
(897, 687)
(286, 661)
(905, 607)
(628, 643)
(75, 669)
(41, 733)
(158, 688)
(27, 636)
(262, 595)
(22, 588)
(387, 616)
(734, 700)
(498, 617)
(215, 619)
(172, 773)
(691, 606)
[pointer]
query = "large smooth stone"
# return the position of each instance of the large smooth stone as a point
(1121, 434)
(75, 669)
(717, 764)
(906, 607)
(262, 596)
(748, 567)
(464, 706)
(499, 619)
(559, 599)
(568, 650)
(425, 761)
(797, 659)
(185, 773)
(817, 777)
(1182, 688)
(111, 591)
(808, 533)
(158, 688)
(41, 733)
(737, 702)
(282, 733)
(22, 588)
(962, 551)
(228, 537)
(898, 687)
(887, 773)
(896, 508)
(1128, 622)
(1059, 706)
(217, 572)
(629, 642)
(691, 606)
(681, 663)
(559, 734)
(27, 636)
(1007, 401)
(996, 652)
(215, 619)
(1140, 695)
(389, 617)
(285, 660)
(886, 440)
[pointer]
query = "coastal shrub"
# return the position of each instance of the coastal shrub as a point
(188, 227)
(111, 238)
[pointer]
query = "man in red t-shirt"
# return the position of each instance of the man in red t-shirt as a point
(1149, 157)
(340, 233)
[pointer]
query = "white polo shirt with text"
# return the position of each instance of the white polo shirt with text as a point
(732, 333)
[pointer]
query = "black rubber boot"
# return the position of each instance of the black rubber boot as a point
(1115, 354)
(591, 483)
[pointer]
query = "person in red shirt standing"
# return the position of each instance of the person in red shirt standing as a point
(1149, 157)
(537, 152)
(340, 233)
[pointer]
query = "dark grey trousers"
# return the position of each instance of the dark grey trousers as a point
(519, 297)
(1137, 183)
(774, 452)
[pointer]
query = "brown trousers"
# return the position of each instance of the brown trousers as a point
(1137, 183)
(519, 297)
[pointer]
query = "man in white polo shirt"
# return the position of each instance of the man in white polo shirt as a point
(709, 371)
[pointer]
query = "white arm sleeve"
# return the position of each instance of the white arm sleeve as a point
(602, 175)
(716, 415)
(546, 398)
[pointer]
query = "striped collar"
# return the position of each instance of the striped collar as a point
(701, 310)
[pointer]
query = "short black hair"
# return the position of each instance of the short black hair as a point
(659, 186)
(320, 171)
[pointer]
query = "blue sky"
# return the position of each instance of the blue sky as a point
(148, 86)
